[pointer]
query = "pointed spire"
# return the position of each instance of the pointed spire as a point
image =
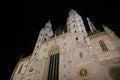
(21, 57)
(11, 78)
(55, 37)
(106, 28)
(63, 32)
(91, 26)
(48, 24)
(72, 12)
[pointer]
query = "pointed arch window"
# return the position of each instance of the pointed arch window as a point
(53, 69)
(53, 73)
(103, 46)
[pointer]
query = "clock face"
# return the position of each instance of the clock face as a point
(83, 72)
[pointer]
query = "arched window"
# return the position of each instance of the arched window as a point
(53, 73)
(103, 46)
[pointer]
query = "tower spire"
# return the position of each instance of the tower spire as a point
(91, 26)
(107, 29)
(48, 24)
(72, 12)
(75, 25)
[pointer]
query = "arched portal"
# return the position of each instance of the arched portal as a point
(53, 73)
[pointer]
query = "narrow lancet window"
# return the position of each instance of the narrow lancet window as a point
(103, 46)
(53, 67)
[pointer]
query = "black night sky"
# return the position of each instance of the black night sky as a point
(36, 14)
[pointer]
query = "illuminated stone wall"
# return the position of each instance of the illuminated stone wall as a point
(81, 56)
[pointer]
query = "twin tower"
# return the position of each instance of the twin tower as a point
(75, 25)
(73, 55)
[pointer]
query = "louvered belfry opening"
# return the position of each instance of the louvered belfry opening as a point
(53, 73)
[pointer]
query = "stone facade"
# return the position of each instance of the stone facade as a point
(72, 55)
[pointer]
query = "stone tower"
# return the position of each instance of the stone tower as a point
(45, 34)
(73, 55)
(76, 26)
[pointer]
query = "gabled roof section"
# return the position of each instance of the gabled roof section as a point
(60, 30)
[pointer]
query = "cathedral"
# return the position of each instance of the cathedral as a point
(72, 53)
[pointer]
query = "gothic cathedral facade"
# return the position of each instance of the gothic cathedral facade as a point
(72, 55)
